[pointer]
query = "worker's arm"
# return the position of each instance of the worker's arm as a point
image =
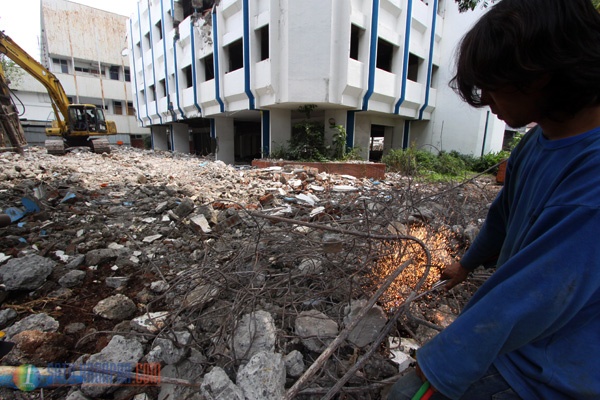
(530, 297)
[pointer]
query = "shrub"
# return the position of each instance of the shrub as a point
(403, 161)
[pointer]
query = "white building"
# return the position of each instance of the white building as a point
(86, 49)
(237, 71)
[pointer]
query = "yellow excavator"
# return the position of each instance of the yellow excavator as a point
(75, 124)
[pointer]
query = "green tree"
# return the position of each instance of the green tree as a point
(12, 72)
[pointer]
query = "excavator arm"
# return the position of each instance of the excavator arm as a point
(58, 96)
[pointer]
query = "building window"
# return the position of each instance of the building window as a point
(147, 42)
(118, 107)
(356, 34)
(263, 39)
(61, 65)
(434, 76)
(163, 88)
(159, 29)
(114, 73)
(209, 69)
(414, 62)
(152, 95)
(127, 74)
(385, 53)
(130, 109)
(235, 52)
(187, 72)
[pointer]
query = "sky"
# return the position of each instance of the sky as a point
(20, 19)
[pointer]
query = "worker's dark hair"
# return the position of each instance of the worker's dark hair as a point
(519, 42)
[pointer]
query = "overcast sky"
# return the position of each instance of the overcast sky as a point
(20, 19)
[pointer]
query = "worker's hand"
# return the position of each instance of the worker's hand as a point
(455, 273)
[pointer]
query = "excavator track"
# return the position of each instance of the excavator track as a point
(100, 146)
(55, 147)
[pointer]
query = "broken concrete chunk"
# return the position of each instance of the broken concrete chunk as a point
(368, 328)
(255, 332)
(119, 351)
(263, 378)
(294, 364)
(26, 273)
(72, 278)
(200, 224)
(36, 322)
(150, 322)
(315, 329)
(216, 385)
(117, 307)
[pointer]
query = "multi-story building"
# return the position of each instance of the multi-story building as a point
(233, 73)
(86, 49)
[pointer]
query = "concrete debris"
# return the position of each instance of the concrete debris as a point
(316, 329)
(255, 332)
(369, 326)
(214, 271)
(119, 351)
(38, 322)
(263, 378)
(117, 307)
(26, 273)
(217, 386)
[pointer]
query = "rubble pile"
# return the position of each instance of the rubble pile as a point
(234, 280)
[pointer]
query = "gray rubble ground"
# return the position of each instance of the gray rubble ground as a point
(168, 258)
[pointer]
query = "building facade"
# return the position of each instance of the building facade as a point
(86, 49)
(229, 76)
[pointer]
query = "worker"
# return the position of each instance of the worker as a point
(532, 330)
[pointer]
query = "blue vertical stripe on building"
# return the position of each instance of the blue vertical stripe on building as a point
(134, 80)
(177, 77)
(216, 60)
(162, 28)
(350, 123)
(143, 65)
(406, 56)
(153, 69)
(266, 132)
(406, 135)
(430, 63)
(194, 78)
(213, 130)
(246, 39)
(372, 55)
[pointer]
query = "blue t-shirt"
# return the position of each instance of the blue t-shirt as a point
(537, 318)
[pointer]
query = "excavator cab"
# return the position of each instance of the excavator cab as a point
(86, 119)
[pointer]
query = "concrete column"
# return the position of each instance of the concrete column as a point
(160, 138)
(225, 140)
(362, 135)
(181, 138)
(281, 128)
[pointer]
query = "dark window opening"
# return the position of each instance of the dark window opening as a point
(118, 107)
(264, 42)
(147, 42)
(62, 64)
(235, 52)
(434, 76)
(247, 141)
(159, 27)
(376, 143)
(114, 73)
(163, 87)
(130, 108)
(413, 68)
(187, 72)
(385, 52)
(355, 34)
(152, 96)
(209, 70)
(127, 75)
